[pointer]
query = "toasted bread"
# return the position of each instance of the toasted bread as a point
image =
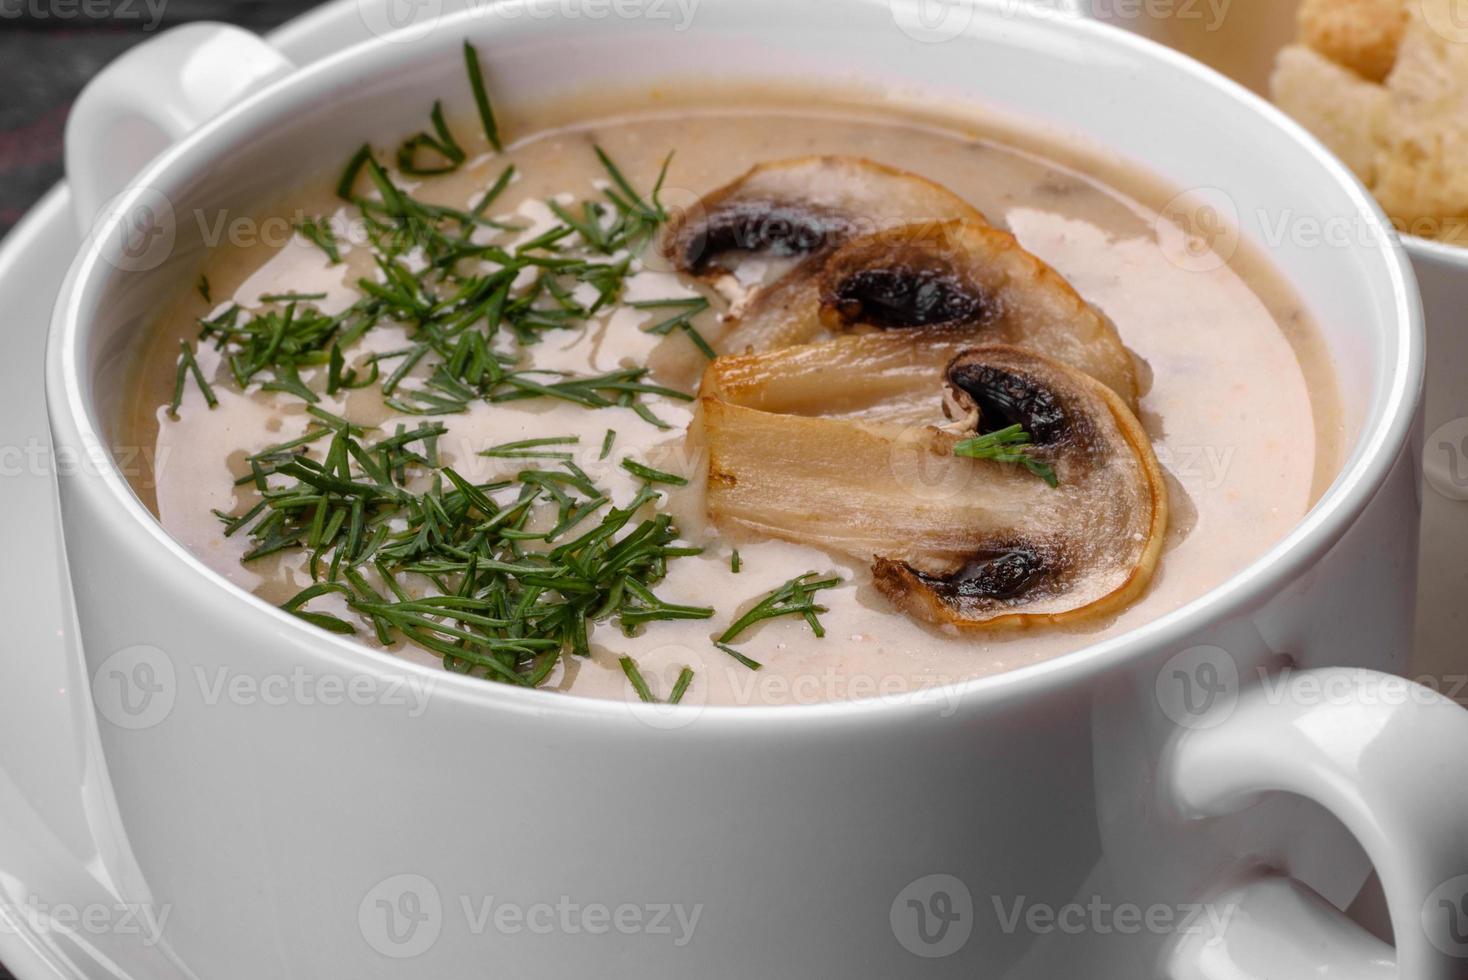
(1345, 112)
(1404, 131)
(1421, 173)
(1362, 35)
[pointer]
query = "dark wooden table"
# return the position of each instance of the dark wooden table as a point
(48, 50)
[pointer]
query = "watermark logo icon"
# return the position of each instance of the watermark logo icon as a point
(932, 21)
(1447, 18)
(402, 916)
(923, 474)
(1199, 687)
(1198, 230)
(933, 917)
(1445, 917)
(400, 20)
(135, 688)
(1445, 459)
(138, 230)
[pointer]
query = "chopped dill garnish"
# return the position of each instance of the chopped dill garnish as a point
(649, 608)
(189, 365)
(735, 562)
(683, 320)
(495, 190)
(588, 224)
(639, 219)
(794, 598)
(500, 579)
(639, 683)
(441, 142)
(423, 554)
(533, 449)
(291, 297)
(628, 198)
(318, 232)
(341, 378)
(651, 475)
(458, 308)
(481, 97)
(704, 347)
(1008, 445)
(348, 180)
(751, 664)
(326, 621)
(685, 677)
(205, 290)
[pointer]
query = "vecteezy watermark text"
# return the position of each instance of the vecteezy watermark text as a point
(935, 916)
(138, 687)
(403, 916)
(409, 20)
(1101, 917)
(97, 919)
(148, 12)
(934, 21)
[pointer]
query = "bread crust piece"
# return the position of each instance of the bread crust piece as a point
(1407, 138)
(1362, 35)
(1422, 170)
(1345, 112)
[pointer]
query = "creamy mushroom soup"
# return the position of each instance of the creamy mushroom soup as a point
(456, 418)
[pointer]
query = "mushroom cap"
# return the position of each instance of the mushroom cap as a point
(871, 377)
(975, 543)
(801, 207)
(946, 285)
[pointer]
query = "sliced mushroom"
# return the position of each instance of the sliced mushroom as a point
(943, 286)
(967, 542)
(871, 377)
(803, 207)
(755, 240)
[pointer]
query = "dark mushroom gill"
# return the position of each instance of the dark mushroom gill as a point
(974, 543)
(942, 287)
(899, 297)
(804, 206)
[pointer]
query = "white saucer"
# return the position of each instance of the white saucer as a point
(55, 815)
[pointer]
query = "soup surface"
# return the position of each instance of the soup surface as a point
(1237, 394)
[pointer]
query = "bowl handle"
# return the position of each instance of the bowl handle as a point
(1390, 759)
(154, 95)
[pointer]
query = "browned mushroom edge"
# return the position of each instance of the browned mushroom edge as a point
(943, 284)
(1007, 575)
(971, 284)
(803, 206)
(1003, 550)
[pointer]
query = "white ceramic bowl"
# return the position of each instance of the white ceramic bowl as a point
(417, 823)
(1240, 38)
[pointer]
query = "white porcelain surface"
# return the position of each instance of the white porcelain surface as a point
(111, 134)
(1367, 757)
(56, 811)
(1259, 27)
(289, 839)
(1442, 616)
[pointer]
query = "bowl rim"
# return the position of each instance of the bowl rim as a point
(1455, 255)
(1384, 434)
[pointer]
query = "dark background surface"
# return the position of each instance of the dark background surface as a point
(48, 51)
